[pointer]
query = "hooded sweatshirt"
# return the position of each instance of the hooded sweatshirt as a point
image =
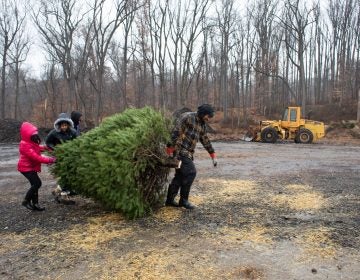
(75, 117)
(30, 152)
(57, 136)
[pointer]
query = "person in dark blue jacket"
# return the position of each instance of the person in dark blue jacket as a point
(76, 117)
(63, 131)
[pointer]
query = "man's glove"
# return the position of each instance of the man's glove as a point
(170, 151)
(213, 157)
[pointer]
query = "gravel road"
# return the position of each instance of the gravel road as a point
(268, 211)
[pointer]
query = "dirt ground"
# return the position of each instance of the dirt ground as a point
(268, 211)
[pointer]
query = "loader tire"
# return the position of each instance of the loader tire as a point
(269, 135)
(304, 136)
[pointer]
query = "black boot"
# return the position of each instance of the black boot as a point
(172, 193)
(186, 204)
(171, 203)
(38, 207)
(28, 198)
(184, 197)
(35, 202)
(27, 204)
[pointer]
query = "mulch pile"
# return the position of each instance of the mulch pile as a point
(10, 131)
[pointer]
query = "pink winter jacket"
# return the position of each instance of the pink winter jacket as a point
(30, 152)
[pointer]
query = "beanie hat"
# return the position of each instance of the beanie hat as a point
(205, 109)
(75, 117)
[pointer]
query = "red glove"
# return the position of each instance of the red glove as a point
(213, 155)
(170, 151)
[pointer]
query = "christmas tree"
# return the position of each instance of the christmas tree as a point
(121, 163)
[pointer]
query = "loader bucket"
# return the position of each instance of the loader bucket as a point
(251, 135)
(247, 138)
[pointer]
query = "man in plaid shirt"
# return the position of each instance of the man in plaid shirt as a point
(189, 129)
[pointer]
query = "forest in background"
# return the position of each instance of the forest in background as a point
(104, 56)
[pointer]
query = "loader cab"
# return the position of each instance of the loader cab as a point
(291, 117)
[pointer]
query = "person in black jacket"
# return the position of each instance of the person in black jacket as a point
(76, 118)
(63, 131)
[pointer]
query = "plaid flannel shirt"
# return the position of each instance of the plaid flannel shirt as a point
(188, 130)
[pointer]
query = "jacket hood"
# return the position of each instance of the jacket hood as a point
(75, 117)
(63, 117)
(26, 130)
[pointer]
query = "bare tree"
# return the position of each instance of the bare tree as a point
(295, 21)
(358, 107)
(81, 66)
(357, 62)
(197, 17)
(178, 21)
(49, 92)
(120, 60)
(148, 45)
(226, 21)
(57, 22)
(144, 57)
(239, 64)
(18, 54)
(341, 14)
(262, 15)
(160, 35)
(11, 22)
(104, 27)
(203, 68)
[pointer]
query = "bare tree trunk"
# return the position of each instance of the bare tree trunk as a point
(144, 87)
(161, 35)
(11, 24)
(148, 27)
(103, 31)
(225, 22)
(262, 15)
(358, 106)
(3, 80)
(178, 22)
(128, 21)
(295, 23)
(197, 18)
(18, 55)
(58, 22)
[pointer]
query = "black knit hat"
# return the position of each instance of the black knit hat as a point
(206, 109)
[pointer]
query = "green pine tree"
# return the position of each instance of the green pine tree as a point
(119, 163)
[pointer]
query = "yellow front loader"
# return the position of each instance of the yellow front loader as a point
(291, 127)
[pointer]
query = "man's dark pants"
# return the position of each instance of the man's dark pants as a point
(184, 177)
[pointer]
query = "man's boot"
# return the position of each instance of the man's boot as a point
(184, 198)
(172, 193)
(185, 203)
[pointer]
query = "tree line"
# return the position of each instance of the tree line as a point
(103, 56)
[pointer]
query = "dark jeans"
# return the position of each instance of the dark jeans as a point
(183, 179)
(35, 182)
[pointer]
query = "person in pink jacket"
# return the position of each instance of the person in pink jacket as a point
(30, 161)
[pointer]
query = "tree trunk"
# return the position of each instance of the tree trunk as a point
(3, 74)
(358, 107)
